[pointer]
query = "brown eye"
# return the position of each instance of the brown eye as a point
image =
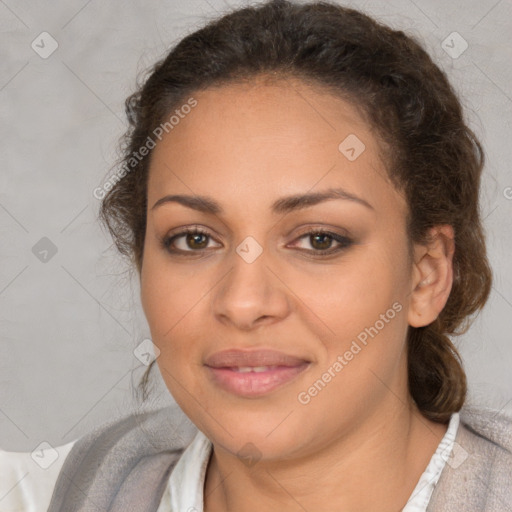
(196, 240)
(321, 241)
(187, 241)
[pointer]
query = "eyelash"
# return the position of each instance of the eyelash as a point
(344, 241)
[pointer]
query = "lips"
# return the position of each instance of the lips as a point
(254, 358)
(253, 373)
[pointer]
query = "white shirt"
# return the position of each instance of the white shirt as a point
(25, 486)
(27, 479)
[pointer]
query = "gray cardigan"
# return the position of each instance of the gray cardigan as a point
(124, 465)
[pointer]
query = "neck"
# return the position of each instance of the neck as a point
(376, 467)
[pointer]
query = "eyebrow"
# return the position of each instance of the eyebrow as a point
(283, 205)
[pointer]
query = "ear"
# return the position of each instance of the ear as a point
(432, 276)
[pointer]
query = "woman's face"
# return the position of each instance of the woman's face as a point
(250, 164)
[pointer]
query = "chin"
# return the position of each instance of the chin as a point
(271, 435)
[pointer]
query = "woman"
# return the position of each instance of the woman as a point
(299, 195)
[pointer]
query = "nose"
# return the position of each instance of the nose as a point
(250, 295)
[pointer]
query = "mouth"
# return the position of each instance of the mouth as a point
(253, 373)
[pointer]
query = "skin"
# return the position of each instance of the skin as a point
(245, 146)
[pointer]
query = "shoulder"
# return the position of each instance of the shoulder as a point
(478, 471)
(122, 462)
(156, 430)
(27, 479)
(491, 426)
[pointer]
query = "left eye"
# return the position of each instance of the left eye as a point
(322, 241)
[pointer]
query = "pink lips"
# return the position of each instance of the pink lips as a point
(253, 373)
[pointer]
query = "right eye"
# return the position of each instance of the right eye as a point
(191, 240)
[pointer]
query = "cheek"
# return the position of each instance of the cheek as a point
(175, 300)
(169, 294)
(171, 303)
(362, 304)
(363, 353)
(352, 295)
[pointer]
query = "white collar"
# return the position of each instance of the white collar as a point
(420, 497)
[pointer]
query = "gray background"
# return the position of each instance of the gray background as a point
(69, 325)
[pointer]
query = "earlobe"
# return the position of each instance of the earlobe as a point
(432, 276)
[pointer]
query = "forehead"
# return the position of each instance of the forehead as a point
(253, 142)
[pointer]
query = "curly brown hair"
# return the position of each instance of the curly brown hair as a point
(431, 155)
